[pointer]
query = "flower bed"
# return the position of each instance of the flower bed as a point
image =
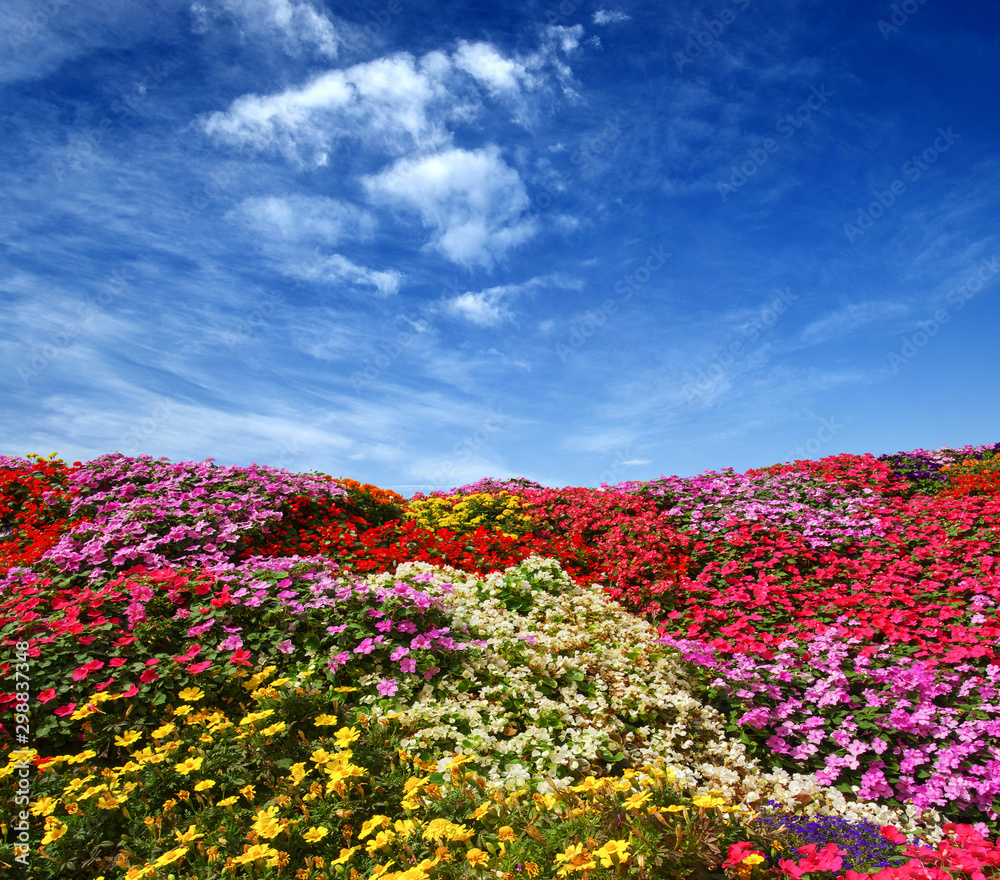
(246, 672)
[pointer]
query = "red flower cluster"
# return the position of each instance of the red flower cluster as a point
(34, 506)
(638, 550)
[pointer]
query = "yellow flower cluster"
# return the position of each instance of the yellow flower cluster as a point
(463, 514)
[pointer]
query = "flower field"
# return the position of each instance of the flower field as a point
(228, 672)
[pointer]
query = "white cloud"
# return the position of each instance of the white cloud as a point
(387, 100)
(485, 308)
(605, 16)
(472, 199)
(299, 217)
(338, 269)
(852, 318)
(491, 69)
(299, 25)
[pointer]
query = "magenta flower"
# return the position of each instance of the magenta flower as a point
(387, 687)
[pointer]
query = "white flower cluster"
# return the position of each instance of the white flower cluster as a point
(570, 683)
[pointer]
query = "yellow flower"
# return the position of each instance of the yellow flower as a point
(637, 800)
(480, 811)
(183, 710)
(204, 785)
(189, 765)
(707, 801)
(127, 738)
(372, 824)
(405, 827)
(54, 829)
(274, 728)
(344, 690)
(576, 858)
(531, 869)
(320, 756)
(137, 873)
(315, 834)
(346, 735)
(506, 834)
(588, 784)
(84, 711)
(298, 772)
(254, 717)
(163, 730)
(191, 694)
(255, 853)
(44, 806)
(229, 801)
(345, 855)
(249, 792)
(107, 801)
(266, 824)
(171, 856)
(477, 858)
(614, 852)
(545, 801)
(325, 720)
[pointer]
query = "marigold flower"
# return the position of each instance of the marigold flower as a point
(477, 858)
(171, 856)
(315, 834)
(189, 765)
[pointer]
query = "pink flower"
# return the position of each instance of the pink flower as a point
(387, 687)
(286, 647)
(46, 695)
(195, 668)
(148, 676)
(66, 710)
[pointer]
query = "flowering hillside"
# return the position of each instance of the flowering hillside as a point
(218, 671)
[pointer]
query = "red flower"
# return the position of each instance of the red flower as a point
(66, 710)
(148, 676)
(195, 668)
(240, 657)
(46, 695)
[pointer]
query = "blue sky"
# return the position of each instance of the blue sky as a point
(419, 243)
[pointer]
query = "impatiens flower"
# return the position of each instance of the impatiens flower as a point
(240, 658)
(46, 695)
(286, 647)
(387, 687)
(195, 668)
(65, 710)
